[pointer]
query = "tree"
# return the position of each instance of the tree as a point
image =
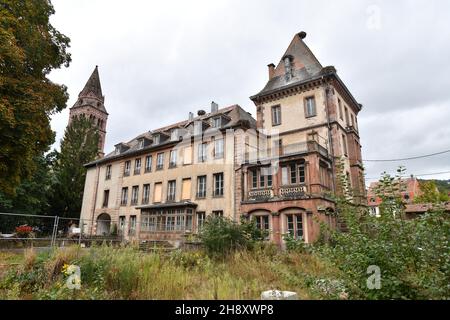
(78, 147)
(32, 194)
(430, 193)
(30, 48)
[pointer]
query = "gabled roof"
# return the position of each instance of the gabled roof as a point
(304, 64)
(237, 115)
(93, 86)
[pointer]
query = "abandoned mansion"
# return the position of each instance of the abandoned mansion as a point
(280, 169)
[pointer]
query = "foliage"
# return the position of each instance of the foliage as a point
(412, 255)
(430, 193)
(30, 48)
(126, 273)
(221, 236)
(31, 195)
(78, 147)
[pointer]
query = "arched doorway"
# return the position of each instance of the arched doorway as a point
(103, 224)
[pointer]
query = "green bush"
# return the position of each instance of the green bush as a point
(413, 255)
(221, 236)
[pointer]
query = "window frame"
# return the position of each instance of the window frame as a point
(306, 106)
(200, 195)
(148, 163)
(134, 195)
(218, 190)
(145, 195)
(171, 190)
(108, 172)
(137, 169)
(127, 168)
(124, 197)
(160, 156)
(276, 115)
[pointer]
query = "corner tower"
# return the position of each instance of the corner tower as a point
(91, 103)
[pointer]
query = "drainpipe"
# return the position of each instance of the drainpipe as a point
(95, 196)
(330, 137)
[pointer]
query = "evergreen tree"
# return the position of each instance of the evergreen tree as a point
(78, 147)
(30, 48)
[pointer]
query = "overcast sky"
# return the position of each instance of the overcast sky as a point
(158, 60)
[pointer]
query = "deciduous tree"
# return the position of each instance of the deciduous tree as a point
(30, 47)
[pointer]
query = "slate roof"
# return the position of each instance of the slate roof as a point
(93, 85)
(305, 67)
(236, 114)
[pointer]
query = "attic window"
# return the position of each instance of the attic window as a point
(217, 122)
(175, 135)
(118, 150)
(141, 143)
(288, 67)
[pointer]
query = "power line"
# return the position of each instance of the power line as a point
(419, 175)
(410, 158)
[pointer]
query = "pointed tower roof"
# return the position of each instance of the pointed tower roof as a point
(93, 86)
(304, 65)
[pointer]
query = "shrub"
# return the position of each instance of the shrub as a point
(221, 236)
(412, 255)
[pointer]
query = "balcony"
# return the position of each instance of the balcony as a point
(260, 194)
(286, 150)
(293, 192)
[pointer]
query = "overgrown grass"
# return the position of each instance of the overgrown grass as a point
(127, 273)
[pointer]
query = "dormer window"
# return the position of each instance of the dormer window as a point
(288, 68)
(217, 122)
(175, 135)
(157, 139)
(141, 143)
(117, 149)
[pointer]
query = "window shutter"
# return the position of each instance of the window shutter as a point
(158, 192)
(186, 189)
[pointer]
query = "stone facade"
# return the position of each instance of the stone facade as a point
(279, 169)
(91, 104)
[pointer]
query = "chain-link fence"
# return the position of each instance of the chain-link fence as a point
(24, 230)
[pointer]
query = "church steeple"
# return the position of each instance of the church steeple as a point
(90, 103)
(93, 86)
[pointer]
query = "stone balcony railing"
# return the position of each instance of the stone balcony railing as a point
(293, 192)
(260, 194)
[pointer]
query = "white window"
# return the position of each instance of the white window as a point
(218, 184)
(134, 195)
(171, 190)
(124, 197)
(137, 166)
(218, 148)
(294, 225)
(276, 115)
(173, 158)
(202, 152)
(201, 187)
(310, 107)
(174, 136)
(146, 194)
(160, 161)
(127, 168)
(217, 122)
(201, 216)
(108, 172)
(148, 163)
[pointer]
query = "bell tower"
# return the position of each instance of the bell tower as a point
(91, 103)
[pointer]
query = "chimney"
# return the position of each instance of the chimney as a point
(201, 112)
(214, 107)
(271, 70)
(191, 116)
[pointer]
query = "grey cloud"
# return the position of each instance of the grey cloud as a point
(160, 60)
